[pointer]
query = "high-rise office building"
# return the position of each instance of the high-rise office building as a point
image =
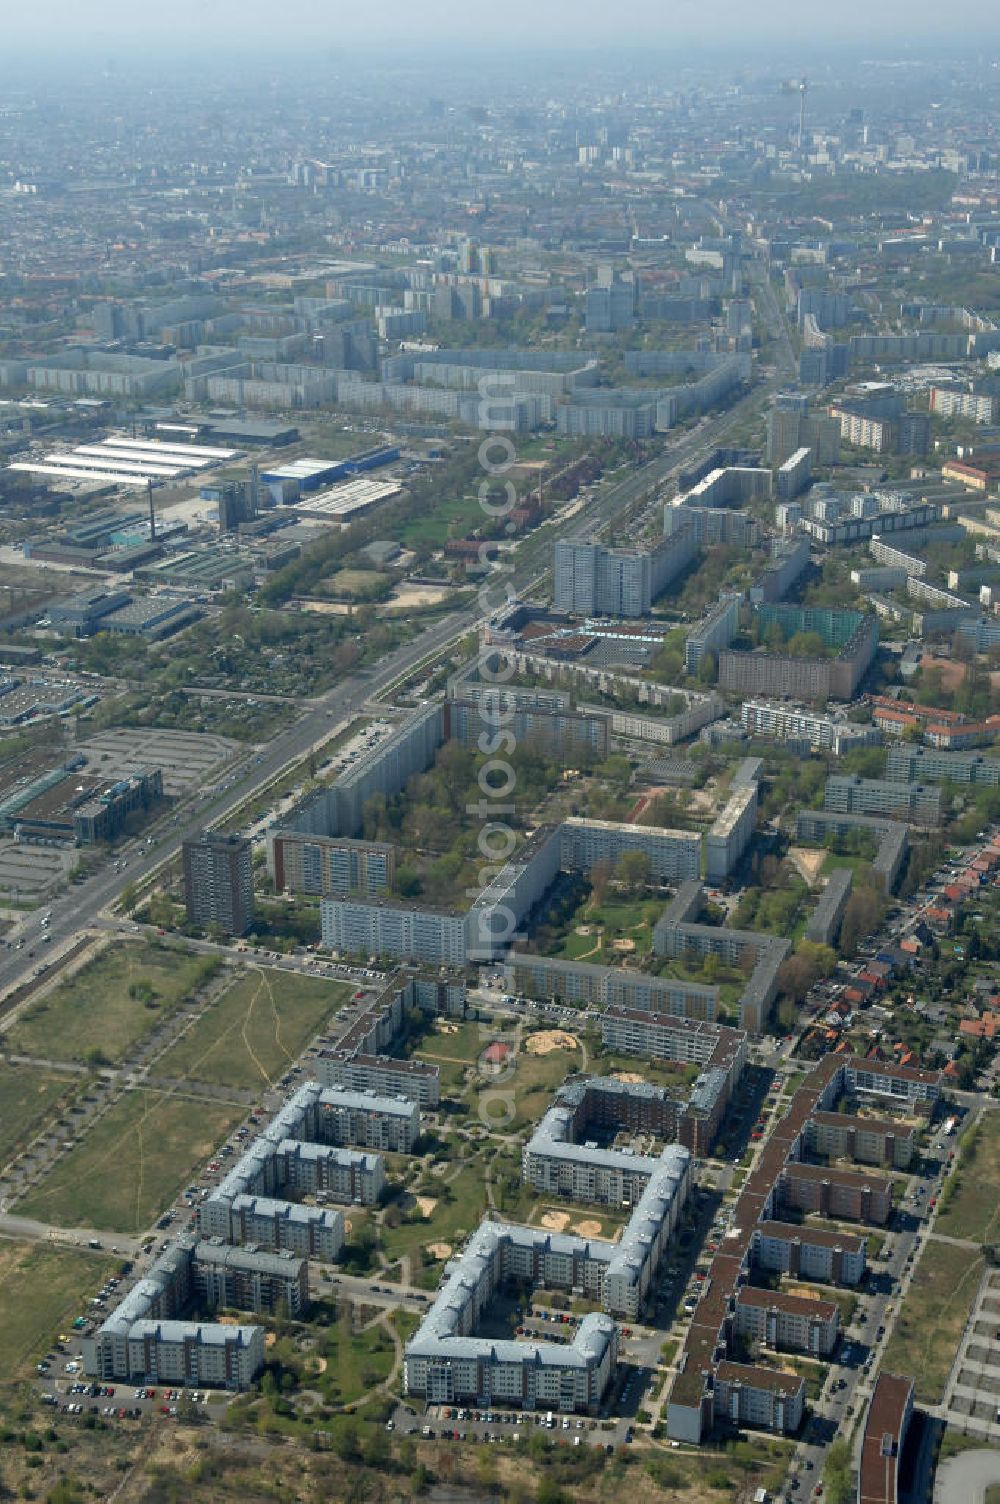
(218, 882)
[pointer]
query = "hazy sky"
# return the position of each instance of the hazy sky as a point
(58, 24)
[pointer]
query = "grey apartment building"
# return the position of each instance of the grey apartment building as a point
(591, 580)
(218, 882)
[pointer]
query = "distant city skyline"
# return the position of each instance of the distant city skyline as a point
(246, 23)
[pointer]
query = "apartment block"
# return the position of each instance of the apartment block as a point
(917, 1090)
(389, 1124)
(792, 1322)
(867, 1141)
(591, 580)
(803, 678)
(836, 1193)
(342, 1174)
(249, 1279)
(673, 854)
(331, 864)
(851, 794)
(218, 882)
(825, 920)
(768, 1399)
(447, 1363)
(144, 1339)
(677, 931)
(891, 837)
(714, 632)
(908, 763)
(730, 833)
(797, 723)
(312, 1232)
(193, 1353)
(807, 1252)
(434, 937)
(582, 982)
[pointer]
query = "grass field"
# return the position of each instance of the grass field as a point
(832, 861)
(463, 511)
(27, 1096)
(255, 1030)
(41, 1289)
(608, 922)
(131, 1164)
(460, 1203)
(970, 1203)
(932, 1317)
(110, 1003)
(531, 1084)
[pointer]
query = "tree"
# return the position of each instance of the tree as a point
(801, 970)
(708, 668)
(837, 1475)
(632, 869)
(600, 876)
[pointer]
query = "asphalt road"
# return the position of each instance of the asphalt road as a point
(965, 1478)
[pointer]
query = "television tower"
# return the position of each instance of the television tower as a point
(803, 90)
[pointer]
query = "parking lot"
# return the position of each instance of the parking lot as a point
(187, 758)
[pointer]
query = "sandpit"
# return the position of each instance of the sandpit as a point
(588, 1228)
(555, 1221)
(439, 1250)
(807, 863)
(583, 929)
(623, 945)
(805, 1292)
(425, 1204)
(548, 1040)
(632, 1078)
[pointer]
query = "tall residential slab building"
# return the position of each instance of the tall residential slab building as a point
(218, 882)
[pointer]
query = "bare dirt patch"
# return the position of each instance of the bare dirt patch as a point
(632, 1078)
(548, 1040)
(555, 1221)
(405, 597)
(439, 1250)
(589, 1228)
(807, 863)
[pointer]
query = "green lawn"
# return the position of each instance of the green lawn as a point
(255, 1030)
(607, 922)
(970, 1202)
(343, 1366)
(111, 1002)
(460, 1203)
(932, 1317)
(463, 511)
(832, 860)
(27, 1096)
(42, 1289)
(530, 1086)
(130, 1165)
